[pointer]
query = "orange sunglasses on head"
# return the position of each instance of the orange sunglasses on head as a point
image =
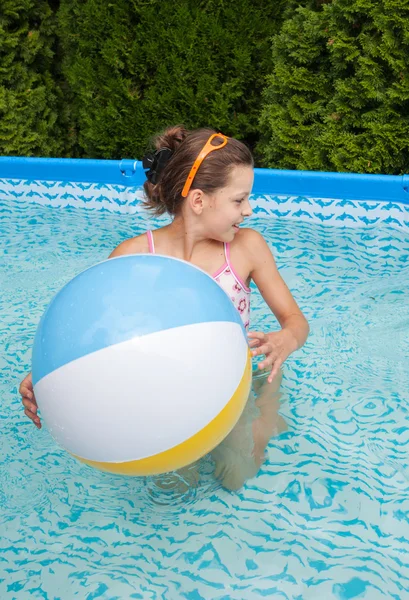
(207, 148)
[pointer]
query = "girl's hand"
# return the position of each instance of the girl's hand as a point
(276, 346)
(29, 401)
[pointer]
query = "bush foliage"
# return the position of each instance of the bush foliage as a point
(33, 110)
(137, 66)
(309, 84)
(338, 95)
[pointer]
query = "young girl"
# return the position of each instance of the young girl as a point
(203, 180)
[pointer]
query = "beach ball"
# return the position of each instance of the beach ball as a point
(141, 365)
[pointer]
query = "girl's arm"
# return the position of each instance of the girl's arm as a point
(277, 345)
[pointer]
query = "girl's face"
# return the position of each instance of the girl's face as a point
(227, 208)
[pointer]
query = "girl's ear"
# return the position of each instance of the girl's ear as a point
(196, 200)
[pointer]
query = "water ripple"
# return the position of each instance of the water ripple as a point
(327, 516)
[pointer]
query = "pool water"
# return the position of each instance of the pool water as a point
(328, 515)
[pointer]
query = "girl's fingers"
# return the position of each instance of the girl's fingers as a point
(265, 349)
(29, 406)
(26, 384)
(256, 335)
(26, 392)
(269, 361)
(33, 417)
(274, 370)
(254, 343)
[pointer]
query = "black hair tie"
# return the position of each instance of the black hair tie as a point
(154, 162)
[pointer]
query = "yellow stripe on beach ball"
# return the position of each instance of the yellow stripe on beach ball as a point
(196, 446)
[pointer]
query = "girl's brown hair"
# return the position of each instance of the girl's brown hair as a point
(166, 195)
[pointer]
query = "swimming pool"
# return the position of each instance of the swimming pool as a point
(327, 517)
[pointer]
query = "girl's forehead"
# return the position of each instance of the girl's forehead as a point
(240, 179)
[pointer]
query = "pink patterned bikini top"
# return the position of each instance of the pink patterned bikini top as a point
(228, 279)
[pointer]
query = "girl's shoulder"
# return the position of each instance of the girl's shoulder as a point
(135, 245)
(249, 248)
(248, 239)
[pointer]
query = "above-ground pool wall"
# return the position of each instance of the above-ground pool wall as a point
(339, 199)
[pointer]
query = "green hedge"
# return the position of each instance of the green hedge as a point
(310, 84)
(135, 67)
(33, 113)
(338, 96)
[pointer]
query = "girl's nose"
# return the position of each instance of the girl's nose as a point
(247, 210)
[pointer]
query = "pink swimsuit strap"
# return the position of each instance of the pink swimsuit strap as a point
(150, 242)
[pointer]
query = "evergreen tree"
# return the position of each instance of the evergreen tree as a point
(33, 113)
(136, 67)
(337, 98)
